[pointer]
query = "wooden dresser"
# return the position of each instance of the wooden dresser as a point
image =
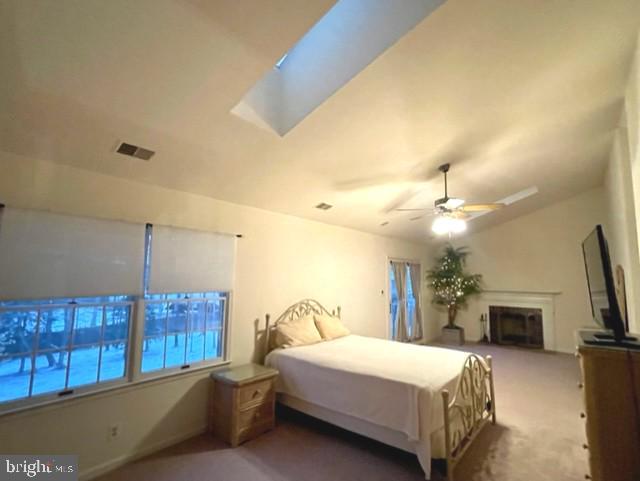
(611, 385)
(242, 402)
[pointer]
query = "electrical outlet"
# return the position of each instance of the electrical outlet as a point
(114, 431)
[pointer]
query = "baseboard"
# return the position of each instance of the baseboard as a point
(110, 465)
(438, 342)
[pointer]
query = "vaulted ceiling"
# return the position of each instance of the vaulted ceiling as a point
(512, 93)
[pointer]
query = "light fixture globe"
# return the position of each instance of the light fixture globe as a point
(448, 225)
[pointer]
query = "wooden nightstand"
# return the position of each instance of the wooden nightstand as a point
(243, 402)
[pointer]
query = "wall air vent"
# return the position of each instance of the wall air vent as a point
(135, 151)
(323, 206)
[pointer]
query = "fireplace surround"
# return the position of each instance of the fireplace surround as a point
(544, 301)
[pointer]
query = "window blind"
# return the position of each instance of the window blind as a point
(46, 255)
(185, 260)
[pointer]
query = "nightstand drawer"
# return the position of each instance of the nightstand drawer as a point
(254, 431)
(255, 393)
(255, 415)
(243, 402)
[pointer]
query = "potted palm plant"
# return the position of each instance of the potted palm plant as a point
(452, 287)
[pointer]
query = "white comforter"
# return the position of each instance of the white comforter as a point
(383, 382)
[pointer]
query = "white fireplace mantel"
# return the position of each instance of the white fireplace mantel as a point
(532, 299)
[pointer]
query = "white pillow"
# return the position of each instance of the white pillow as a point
(330, 327)
(298, 332)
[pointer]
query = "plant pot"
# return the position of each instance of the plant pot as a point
(453, 335)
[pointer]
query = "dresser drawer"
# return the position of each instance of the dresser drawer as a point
(255, 415)
(255, 393)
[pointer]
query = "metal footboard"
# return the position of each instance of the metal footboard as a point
(470, 408)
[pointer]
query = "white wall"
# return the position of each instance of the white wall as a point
(620, 226)
(622, 192)
(632, 121)
(280, 260)
(539, 252)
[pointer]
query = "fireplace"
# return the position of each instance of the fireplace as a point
(519, 301)
(519, 326)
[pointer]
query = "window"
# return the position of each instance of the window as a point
(347, 38)
(58, 345)
(404, 301)
(183, 329)
(78, 337)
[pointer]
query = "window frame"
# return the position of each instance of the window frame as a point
(33, 400)
(133, 375)
(173, 370)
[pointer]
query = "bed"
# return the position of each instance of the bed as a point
(425, 400)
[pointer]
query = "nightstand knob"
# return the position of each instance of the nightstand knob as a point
(584, 446)
(256, 393)
(586, 476)
(583, 415)
(580, 385)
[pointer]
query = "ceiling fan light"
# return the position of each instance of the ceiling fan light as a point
(448, 225)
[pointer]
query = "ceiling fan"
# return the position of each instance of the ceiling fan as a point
(454, 206)
(452, 212)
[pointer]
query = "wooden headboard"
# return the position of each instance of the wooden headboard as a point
(296, 311)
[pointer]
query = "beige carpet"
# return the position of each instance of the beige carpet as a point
(538, 438)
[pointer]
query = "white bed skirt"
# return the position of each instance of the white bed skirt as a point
(382, 434)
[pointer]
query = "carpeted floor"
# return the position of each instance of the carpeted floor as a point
(538, 437)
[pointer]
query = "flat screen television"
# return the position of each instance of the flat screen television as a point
(602, 293)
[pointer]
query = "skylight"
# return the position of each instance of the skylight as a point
(342, 43)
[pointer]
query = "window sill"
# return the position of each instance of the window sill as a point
(52, 404)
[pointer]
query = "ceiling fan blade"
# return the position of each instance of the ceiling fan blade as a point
(414, 191)
(413, 210)
(402, 199)
(523, 194)
(511, 199)
(481, 207)
(426, 215)
(458, 214)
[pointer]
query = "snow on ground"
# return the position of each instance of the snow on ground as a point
(83, 363)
